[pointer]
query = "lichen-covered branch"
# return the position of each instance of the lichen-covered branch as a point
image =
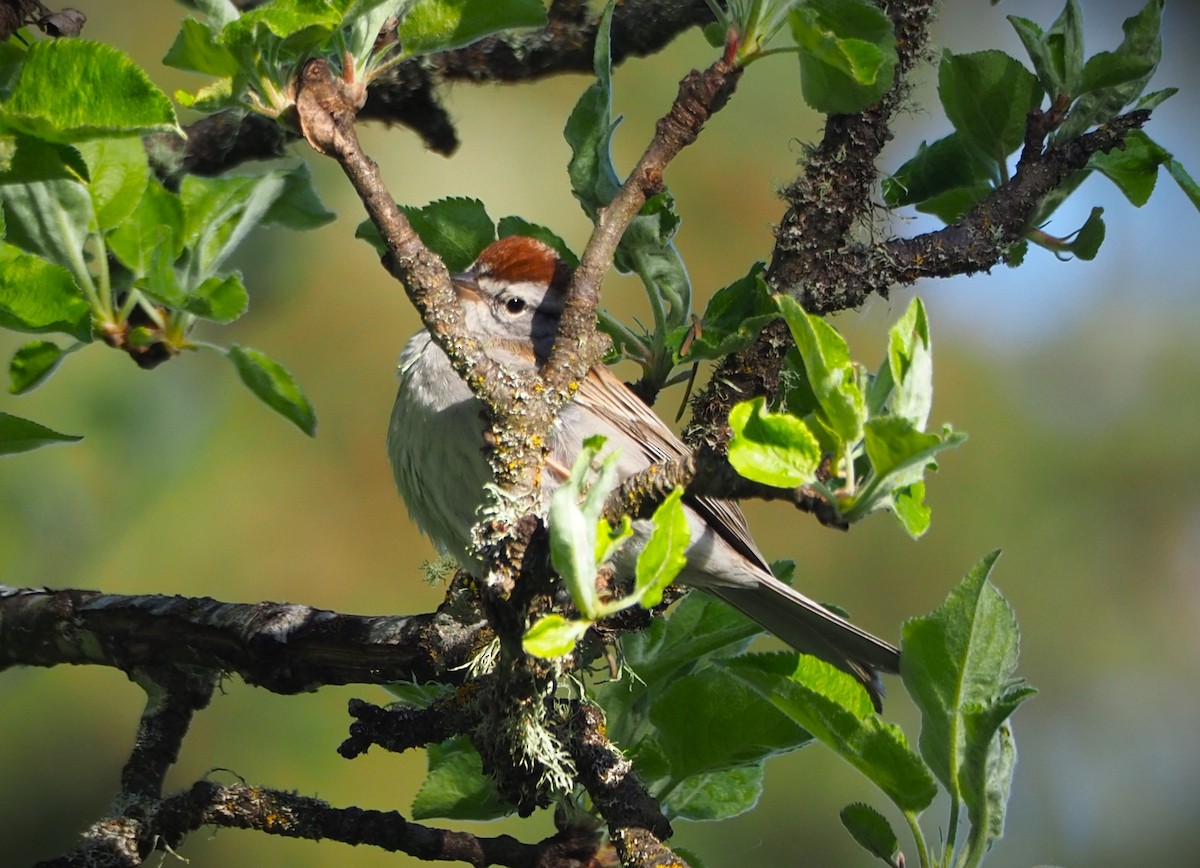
(127, 841)
(283, 647)
(635, 822)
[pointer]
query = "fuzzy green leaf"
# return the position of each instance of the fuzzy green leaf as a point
(70, 90)
(772, 448)
(954, 661)
(456, 229)
(47, 208)
(665, 553)
(836, 709)
(31, 364)
(22, 435)
(711, 721)
(118, 173)
(1130, 67)
(274, 386)
(871, 830)
(1057, 54)
(153, 231)
(847, 53)
(734, 317)
(715, 795)
(456, 787)
(435, 25)
(196, 48)
(988, 95)
(937, 169)
(830, 371)
(553, 636)
(38, 297)
(1134, 168)
(221, 299)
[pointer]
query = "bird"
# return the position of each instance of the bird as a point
(512, 297)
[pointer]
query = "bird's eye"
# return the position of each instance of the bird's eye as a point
(514, 305)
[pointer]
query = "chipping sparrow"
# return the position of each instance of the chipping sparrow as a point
(512, 296)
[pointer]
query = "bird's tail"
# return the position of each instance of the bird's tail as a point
(810, 628)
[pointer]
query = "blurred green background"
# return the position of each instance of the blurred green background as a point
(1078, 383)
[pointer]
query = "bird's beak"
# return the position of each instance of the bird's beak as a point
(466, 286)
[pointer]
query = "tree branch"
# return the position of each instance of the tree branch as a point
(282, 647)
(408, 93)
(126, 841)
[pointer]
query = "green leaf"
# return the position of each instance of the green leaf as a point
(772, 448)
(553, 636)
(435, 25)
(47, 208)
(118, 173)
(308, 22)
(197, 49)
(1185, 181)
(1134, 168)
(1090, 236)
(32, 364)
(988, 95)
(830, 371)
(899, 452)
(218, 215)
(274, 386)
(1132, 65)
(958, 659)
(711, 721)
(734, 317)
(1057, 55)
(609, 538)
(153, 231)
(298, 206)
(910, 366)
(989, 760)
(665, 553)
(69, 90)
(908, 503)
(456, 787)
(946, 165)
(871, 830)
(456, 229)
(574, 514)
(221, 299)
(38, 297)
(836, 709)
(509, 226)
(1151, 101)
(715, 795)
(847, 54)
(22, 435)
(699, 626)
(589, 131)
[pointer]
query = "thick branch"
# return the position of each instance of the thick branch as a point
(635, 821)
(981, 238)
(282, 647)
(126, 841)
(708, 474)
(408, 94)
(824, 202)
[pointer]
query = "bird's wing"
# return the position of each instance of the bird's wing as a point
(607, 397)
